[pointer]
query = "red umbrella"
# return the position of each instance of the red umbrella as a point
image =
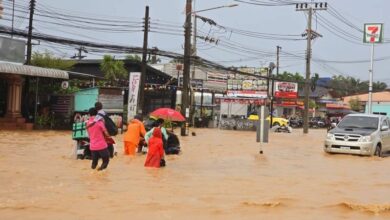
(168, 114)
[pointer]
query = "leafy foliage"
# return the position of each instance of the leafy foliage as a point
(354, 103)
(48, 60)
(113, 70)
(50, 85)
(345, 86)
(133, 57)
(292, 77)
(312, 104)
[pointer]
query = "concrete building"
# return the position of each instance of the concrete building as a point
(380, 102)
(207, 79)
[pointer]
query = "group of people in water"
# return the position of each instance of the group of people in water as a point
(101, 141)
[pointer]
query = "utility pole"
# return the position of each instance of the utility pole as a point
(194, 43)
(270, 69)
(187, 63)
(371, 76)
(307, 80)
(273, 84)
(193, 54)
(278, 48)
(143, 64)
(308, 7)
(79, 55)
(13, 18)
(30, 28)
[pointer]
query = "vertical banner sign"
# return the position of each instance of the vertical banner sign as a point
(373, 33)
(134, 81)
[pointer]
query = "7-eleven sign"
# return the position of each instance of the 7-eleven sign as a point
(373, 33)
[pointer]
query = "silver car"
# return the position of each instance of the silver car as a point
(362, 134)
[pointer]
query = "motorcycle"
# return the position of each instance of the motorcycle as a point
(296, 122)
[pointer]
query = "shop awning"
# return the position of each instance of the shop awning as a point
(32, 71)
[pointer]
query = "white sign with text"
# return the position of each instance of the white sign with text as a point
(134, 81)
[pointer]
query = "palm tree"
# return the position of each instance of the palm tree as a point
(379, 86)
(113, 69)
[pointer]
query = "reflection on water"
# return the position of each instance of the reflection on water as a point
(219, 175)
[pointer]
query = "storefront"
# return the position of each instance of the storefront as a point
(160, 88)
(13, 87)
(286, 99)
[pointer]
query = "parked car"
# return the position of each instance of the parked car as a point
(361, 134)
(276, 121)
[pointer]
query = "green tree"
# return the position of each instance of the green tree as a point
(345, 86)
(314, 81)
(49, 85)
(296, 77)
(312, 104)
(48, 60)
(133, 57)
(379, 86)
(354, 103)
(113, 69)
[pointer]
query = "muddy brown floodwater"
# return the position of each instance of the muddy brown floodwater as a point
(219, 175)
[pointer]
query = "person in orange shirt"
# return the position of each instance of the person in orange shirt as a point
(132, 137)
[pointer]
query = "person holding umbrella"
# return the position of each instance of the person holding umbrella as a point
(164, 114)
(159, 123)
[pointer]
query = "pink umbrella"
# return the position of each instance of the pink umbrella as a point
(168, 114)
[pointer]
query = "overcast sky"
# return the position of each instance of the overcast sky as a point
(339, 42)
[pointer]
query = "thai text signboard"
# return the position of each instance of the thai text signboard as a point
(133, 94)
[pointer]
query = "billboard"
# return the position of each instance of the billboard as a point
(247, 84)
(261, 71)
(288, 90)
(247, 94)
(12, 50)
(373, 33)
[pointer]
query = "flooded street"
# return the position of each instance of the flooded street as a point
(219, 175)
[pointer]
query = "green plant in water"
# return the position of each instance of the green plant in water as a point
(44, 121)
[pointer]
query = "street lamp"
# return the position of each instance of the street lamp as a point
(207, 9)
(187, 58)
(218, 7)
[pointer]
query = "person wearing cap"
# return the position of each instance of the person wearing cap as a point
(132, 137)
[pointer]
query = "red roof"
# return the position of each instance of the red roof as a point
(376, 97)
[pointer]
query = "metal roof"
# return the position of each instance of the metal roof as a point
(32, 71)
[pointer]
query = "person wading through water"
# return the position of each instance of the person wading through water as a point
(98, 145)
(132, 137)
(155, 157)
(108, 123)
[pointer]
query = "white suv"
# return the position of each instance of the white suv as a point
(361, 134)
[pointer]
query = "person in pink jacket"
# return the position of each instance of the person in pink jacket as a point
(97, 140)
